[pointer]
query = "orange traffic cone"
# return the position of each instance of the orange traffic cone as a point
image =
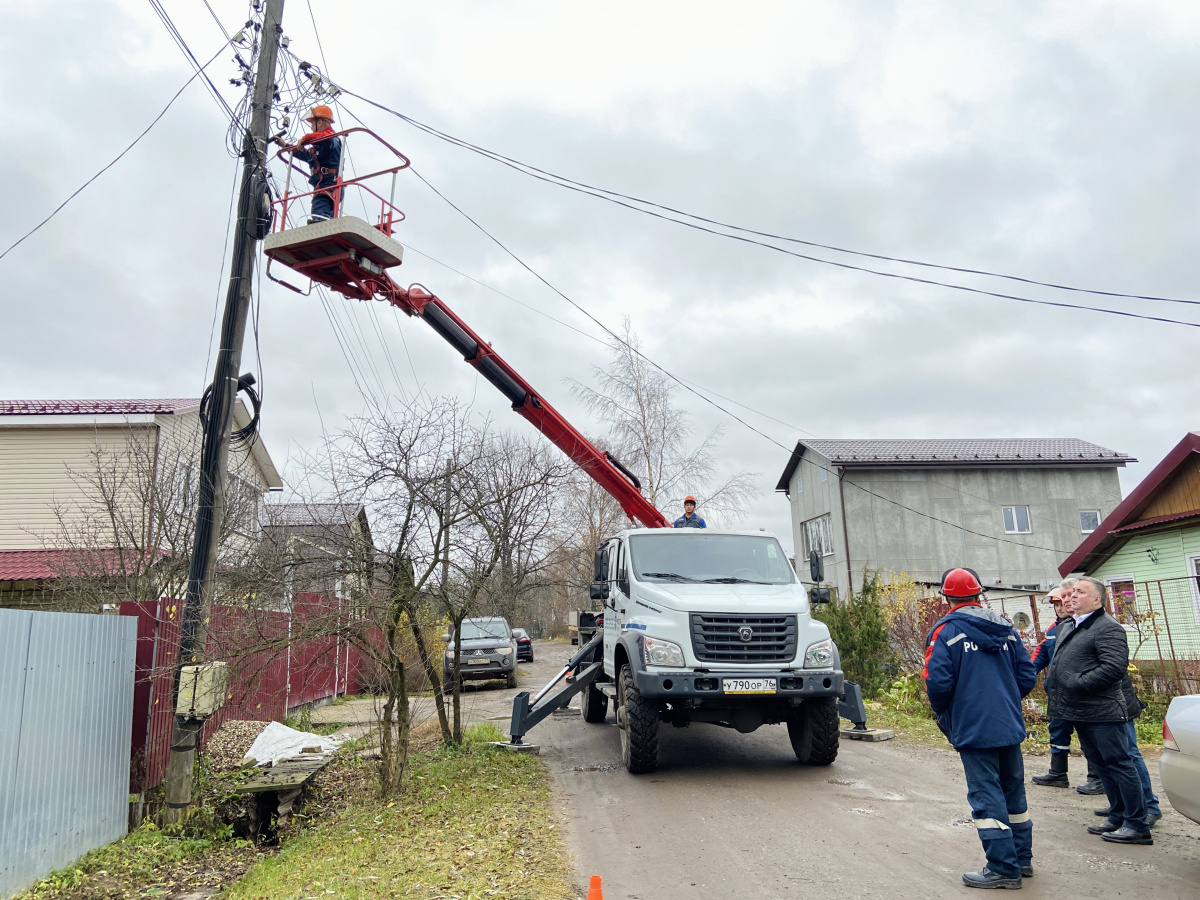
(594, 891)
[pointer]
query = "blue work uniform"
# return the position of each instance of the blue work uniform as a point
(324, 158)
(1060, 729)
(976, 673)
(692, 521)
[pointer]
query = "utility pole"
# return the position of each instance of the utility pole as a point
(214, 458)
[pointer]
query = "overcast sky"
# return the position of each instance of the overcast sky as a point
(1055, 141)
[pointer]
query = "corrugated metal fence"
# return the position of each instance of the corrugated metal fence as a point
(271, 675)
(66, 702)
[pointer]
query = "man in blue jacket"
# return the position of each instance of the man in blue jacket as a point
(689, 519)
(976, 673)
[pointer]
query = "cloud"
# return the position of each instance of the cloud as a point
(1054, 145)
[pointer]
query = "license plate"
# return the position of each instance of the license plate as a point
(748, 685)
(478, 662)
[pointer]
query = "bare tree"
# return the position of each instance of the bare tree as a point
(654, 436)
(127, 532)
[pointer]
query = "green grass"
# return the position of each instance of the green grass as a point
(474, 822)
(146, 863)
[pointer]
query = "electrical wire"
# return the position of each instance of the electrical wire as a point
(614, 196)
(79, 190)
(687, 387)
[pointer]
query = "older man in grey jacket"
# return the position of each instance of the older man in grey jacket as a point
(1084, 686)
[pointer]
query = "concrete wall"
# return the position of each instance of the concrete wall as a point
(884, 535)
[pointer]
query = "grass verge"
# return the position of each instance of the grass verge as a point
(147, 863)
(474, 822)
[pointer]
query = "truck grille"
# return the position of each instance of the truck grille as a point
(718, 638)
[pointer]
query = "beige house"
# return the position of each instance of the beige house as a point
(110, 484)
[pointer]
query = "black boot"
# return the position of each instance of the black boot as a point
(1057, 776)
(1093, 785)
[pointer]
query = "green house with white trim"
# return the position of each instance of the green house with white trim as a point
(1148, 552)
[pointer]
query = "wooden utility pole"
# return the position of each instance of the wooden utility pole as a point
(214, 459)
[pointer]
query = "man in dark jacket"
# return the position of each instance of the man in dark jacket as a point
(1060, 729)
(976, 673)
(1084, 686)
(689, 519)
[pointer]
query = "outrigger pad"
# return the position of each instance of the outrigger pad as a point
(296, 246)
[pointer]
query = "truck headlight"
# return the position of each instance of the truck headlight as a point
(662, 653)
(819, 655)
(450, 655)
(503, 651)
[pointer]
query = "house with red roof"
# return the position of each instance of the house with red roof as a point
(1147, 551)
(106, 489)
(1009, 508)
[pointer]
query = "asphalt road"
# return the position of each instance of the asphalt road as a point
(735, 816)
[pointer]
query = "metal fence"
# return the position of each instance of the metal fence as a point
(1161, 619)
(271, 674)
(1163, 622)
(66, 701)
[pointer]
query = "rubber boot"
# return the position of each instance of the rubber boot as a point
(1057, 776)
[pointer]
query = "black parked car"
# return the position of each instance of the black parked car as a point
(524, 645)
(489, 651)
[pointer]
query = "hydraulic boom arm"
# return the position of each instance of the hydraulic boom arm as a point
(603, 468)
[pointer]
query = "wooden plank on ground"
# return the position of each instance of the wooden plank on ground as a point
(287, 775)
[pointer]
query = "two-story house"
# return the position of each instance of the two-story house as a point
(1010, 508)
(106, 489)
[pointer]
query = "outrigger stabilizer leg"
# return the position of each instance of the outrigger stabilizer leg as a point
(582, 669)
(851, 706)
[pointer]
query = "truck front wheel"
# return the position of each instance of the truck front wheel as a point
(813, 730)
(637, 719)
(594, 703)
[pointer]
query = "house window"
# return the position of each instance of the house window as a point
(1016, 520)
(824, 473)
(1123, 591)
(799, 484)
(818, 535)
(1089, 520)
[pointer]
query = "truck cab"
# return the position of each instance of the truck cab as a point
(710, 626)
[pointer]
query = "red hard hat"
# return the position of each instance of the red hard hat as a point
(689, 499)
(961, 583)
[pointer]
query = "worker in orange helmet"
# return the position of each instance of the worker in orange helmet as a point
(689, 519)
(323, 153)
(976, 672)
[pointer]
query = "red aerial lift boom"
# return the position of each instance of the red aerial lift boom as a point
(350, 256)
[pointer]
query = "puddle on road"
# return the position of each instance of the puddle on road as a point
(886, 796)
(602, 767)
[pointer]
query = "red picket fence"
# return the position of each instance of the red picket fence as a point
(270, 675)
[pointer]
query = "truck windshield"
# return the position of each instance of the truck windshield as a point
(473, 629)
(709, 559)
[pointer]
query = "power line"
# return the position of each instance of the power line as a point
(115, 159)
(616, 197)
(697, 393)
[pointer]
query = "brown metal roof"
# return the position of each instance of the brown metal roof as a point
(97, 407)
(953, 452)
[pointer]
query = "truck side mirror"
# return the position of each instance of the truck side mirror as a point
(601, 566)
(598, 590)
(819, 595)
(445, 638)
(816, 567)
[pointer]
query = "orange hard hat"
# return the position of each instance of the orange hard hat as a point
(689, 499)
(961, 583)
(320, 112)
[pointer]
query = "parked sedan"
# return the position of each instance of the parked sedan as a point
(524, 645)
(1179, 767)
